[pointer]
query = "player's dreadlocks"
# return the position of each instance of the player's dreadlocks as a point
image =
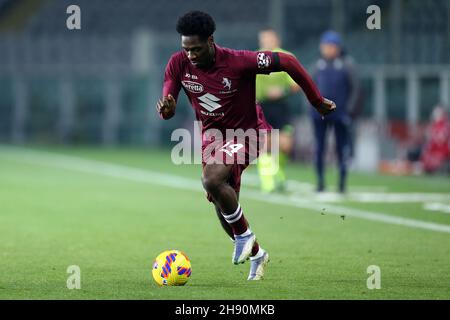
(196, 23)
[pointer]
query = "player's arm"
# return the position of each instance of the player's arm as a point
(167, 104)
(288, 63)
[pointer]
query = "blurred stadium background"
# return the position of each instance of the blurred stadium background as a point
(86, 176)
(98, 85)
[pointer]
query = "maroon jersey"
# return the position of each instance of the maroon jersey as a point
(223, 96)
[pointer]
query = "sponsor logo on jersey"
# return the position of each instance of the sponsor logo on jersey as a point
(212, 114)
(209, 102)
(191, 76)
(192, 86)
(263, 60)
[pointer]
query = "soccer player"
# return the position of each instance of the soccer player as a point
(220, 85)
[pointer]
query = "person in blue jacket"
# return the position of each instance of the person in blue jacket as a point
(334, 74)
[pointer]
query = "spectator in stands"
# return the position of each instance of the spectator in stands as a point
(334, 73)
(436, 152)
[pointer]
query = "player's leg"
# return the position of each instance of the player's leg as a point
(227, 228)
(225, 225)
(215, 181)
(258, 258)
(265, 167)
(265, 164)
(342, 151)
(286, 146)
(258, 263)
(320, 127)
(286, 142)
(271, 167)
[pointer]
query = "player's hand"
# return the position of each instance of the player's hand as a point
(326, 107)
(166, 106)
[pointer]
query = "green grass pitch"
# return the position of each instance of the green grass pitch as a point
(112, 211)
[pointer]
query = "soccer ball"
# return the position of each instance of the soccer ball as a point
(171, 268)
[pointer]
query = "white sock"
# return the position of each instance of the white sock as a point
(233, 217)
(258, 255)
(246, 233)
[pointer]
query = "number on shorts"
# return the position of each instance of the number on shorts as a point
(233, 148)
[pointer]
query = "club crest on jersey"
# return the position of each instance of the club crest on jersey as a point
(263, 60)
(226, 83)
(192, 86)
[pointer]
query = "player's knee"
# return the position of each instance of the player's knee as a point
(209, 197)
(211, 183)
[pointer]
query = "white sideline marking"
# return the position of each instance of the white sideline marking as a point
(146, 176)
(50, 159)
(436, 206)
(381, 196)
(299, 186)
